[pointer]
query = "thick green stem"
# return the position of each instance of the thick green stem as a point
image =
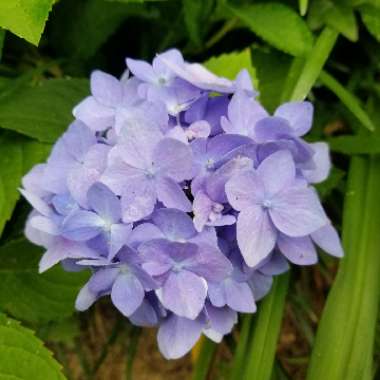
(314, 63)
(343, 348)
(263, 342)
(203, 364)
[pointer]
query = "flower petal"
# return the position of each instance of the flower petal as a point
(106, 89)
(176, 336)
(328, 239)
(297, 212)
(277, 171)
(298, 114)
(127, 293)
(171, 194)
(298, 250)
(256, 235)
(184, 293)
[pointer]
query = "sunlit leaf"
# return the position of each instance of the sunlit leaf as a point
(23, 356)
(279, 25)
(26, 18)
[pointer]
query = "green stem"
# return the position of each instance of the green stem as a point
(227, 26)
(343, 347)
(347, 98)
(314, 63)
(204, 361)
(263, 342)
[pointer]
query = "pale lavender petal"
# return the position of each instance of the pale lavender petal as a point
(36, 202)
(221, 322)
(277, 172)
(322, 161)
(95, 115)
(176, 336)
(138, 201)
(144, 316)
(298, 114)
(106, 89)
(210, 263)
(256, 235)
(239, 296)
(174, 224)
(272, 128)
(172, 158)
(328, 239)
(298, 250)
(82, 225)
(297, 212)
(141, 70)
(184, 293)
(244, 190)
(102, 280)
(216, 182)
(44, 224)
(119, 236)
(260, 285)
(171, 194)
(104, 202)
(142, 233)
(127, 293)
(85, 298)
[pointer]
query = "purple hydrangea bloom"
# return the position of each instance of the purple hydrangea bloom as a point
(182, 196)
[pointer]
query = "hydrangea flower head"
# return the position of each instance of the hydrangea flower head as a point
(182, 195)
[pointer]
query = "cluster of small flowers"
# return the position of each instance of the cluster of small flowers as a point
(182, 195)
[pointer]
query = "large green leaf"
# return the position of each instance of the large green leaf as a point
(229, 65)
(34, 297)
(371, 19)
(42, 111)
(365, 144)
(279, 25)
(272, 69)
(10, 174)
(81, 27)
(196, 14)
(26, 18)
(23, 356)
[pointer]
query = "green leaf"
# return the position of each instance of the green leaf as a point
(10, 174)
(26, 18)
(371, 19)
(343, 348)
(99, 19)
(355, 144)
(314, 64)
(332, 182)
(34, 297)
(272, 69)
(302, 5)
(19, 154)
(204, 360)
(278, 25)
(23, 356)
(342, 19)
(348, 99)
(2, 38)
(43, 111)
(263, 341)
(196, 14)
(230, 64)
